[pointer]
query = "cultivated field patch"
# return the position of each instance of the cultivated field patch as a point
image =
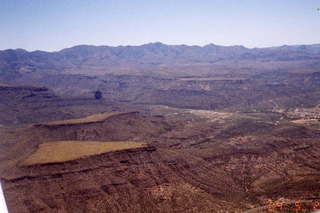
(62, 151)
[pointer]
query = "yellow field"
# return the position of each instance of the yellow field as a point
(62, 151)
(90, 119)
(212, 79)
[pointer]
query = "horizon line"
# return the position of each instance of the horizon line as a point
(158, 42)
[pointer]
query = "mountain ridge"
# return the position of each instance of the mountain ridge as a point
(100, 60)
(164, 44)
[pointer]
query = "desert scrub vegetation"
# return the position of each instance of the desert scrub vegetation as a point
(89, 119)
(168, 198)
(61, 151)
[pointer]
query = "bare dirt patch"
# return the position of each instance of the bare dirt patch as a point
(211, 115)
(305, 121)
(89, 119)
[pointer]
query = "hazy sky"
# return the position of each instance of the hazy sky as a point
(56, 24)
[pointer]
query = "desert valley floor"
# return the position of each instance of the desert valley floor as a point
(87, 155)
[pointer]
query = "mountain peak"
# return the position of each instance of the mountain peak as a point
(211, 45)
(155, 44)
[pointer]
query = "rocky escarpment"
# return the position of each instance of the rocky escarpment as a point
(263, 91)
(9, 93)
(115, 126)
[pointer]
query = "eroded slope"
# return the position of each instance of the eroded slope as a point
(196, 161)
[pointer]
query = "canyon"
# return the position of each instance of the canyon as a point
(178, 128)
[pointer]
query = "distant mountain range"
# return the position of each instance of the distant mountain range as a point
(208, 77)
(159, 58)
